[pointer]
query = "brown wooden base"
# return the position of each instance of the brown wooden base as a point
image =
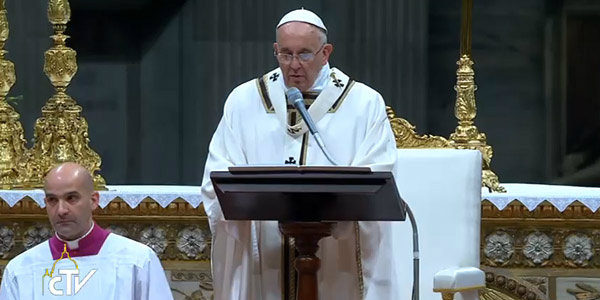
(307, 236)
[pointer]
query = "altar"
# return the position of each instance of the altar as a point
(542, 238)
(546, 235)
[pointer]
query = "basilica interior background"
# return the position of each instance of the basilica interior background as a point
(153, 76)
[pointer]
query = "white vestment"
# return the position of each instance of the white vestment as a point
(258, 128)
(123, 269)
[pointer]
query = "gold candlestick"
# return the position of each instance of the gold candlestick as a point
(61, 134)
(466, 134)
(12, 142)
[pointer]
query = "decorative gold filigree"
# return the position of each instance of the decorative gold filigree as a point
(557, 245)
(584, 291)
(504, 287)
(205, 286)
(573, 235)
(447, 296)
(61, 134)
(407, 137)
(147, 210)
(540, 283)
(490, 294)
(60, 65)
(59, 12)
(12, 141)
(3, 24)
(545, 213)
(204, 278)
(466, 135)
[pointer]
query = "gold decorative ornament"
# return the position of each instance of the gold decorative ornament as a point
(584, 291)
(12, 141)
(203, 279)
(61, 134)
(490, 294)
(407, 137)
(543, 214)
(501, 286)
(563, 245)
(447, 296)
(466, 134)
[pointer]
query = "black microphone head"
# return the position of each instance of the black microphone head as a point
(294, 96)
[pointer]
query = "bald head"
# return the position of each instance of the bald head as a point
(70, 200)
(70, 172)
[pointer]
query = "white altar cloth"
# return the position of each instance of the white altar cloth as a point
(132, 194)
(532, 195)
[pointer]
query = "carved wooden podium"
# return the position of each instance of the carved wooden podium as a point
(307, 201)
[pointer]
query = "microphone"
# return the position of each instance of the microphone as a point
(295, 98)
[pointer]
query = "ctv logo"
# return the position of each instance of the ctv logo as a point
(70, 279)
(74, 283)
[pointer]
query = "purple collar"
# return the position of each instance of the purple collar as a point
(89, 245)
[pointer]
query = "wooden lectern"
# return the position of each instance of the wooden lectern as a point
(307, 201)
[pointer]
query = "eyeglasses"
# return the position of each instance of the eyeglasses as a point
(306, 57)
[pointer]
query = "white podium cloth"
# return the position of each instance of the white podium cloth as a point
(131, 194)
(532, 195)
(443, 189)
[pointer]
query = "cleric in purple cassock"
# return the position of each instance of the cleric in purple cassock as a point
(82, 260)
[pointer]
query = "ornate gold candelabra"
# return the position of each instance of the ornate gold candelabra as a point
(61, 134)
(12, 142)
(466, 134)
